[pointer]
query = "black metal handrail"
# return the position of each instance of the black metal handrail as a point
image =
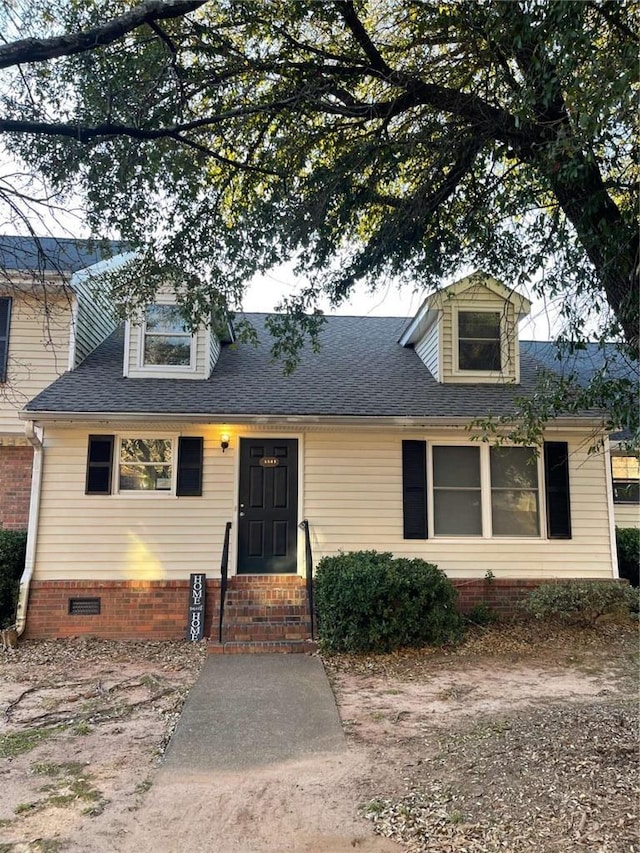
(308, 559)
(224, 574)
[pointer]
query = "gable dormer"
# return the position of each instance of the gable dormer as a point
(468, 332)
(159, 345)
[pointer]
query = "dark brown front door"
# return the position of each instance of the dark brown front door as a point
(268, 512)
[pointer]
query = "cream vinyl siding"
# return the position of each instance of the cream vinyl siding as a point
(351, 493)
(38, 349)
(428, 350)
(479, 298)
(133, 535)
(353, 500)
(627, 515)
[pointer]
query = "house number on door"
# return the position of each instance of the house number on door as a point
(269, 462)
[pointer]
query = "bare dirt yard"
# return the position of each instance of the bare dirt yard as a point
(523, 738)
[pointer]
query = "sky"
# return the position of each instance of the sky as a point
(265, 291)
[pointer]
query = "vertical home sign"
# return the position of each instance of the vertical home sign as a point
(197, 590)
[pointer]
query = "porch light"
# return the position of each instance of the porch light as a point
(224, 440)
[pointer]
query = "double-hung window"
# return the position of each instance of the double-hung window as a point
(514, 491)
(457, 491)
(145, 464)
(485, 491)
(479, 341)
(166, 339)
(625, 471)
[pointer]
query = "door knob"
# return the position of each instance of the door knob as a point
(241, 515)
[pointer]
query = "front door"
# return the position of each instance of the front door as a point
(268, 511)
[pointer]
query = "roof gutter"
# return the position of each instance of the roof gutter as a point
(362, 421)
(34, 435)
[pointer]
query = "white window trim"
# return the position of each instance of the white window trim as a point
(504, 342)
(137, 494)
(166, 368)
(485, 497)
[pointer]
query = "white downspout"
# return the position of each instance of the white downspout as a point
(611, 508)
(34, 435)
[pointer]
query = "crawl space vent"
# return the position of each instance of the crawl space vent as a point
(84, 607)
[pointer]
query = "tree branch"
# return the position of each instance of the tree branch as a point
(611, 13)
(348, 12)
(39, 50)
(523, 136)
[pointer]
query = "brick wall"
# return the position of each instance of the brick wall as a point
(502, 596)
(15, 486)
(129, 610)
(158, 610)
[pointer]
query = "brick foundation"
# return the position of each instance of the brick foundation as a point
(501, 595)
(15, 486)
(157, 610)
(129, 610)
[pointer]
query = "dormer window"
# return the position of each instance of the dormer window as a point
(167, 342)
(479, 340)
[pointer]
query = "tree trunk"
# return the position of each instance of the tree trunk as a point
(610, 245)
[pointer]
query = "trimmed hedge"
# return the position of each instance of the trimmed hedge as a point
(628, 542)
(13, 546)
(581, 602)
(369, 601)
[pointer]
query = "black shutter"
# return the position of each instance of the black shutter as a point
(556, 474)
(5, 314)
(99, 465)
(414, 489)
(190, 452)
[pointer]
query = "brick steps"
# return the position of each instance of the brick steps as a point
(265, 614)
(236, 615)
(288, 647)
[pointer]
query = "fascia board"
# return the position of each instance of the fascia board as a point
(586, 423)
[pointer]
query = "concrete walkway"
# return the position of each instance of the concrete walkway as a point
(254, 710)
(258, 763)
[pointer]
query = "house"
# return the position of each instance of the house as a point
(49, 321)
(166, 454)
(606, 360)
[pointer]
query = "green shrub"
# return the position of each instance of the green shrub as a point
(369, 601)
(581, 602)
(13, 544)
(628, 542)
(482, 614)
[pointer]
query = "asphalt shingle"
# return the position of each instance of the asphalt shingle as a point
(54, 254)
(360, 370)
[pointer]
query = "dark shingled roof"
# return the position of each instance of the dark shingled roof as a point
(585, 362)
(55, 254)
(360, 370)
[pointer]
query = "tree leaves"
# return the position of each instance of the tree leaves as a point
(364, 140)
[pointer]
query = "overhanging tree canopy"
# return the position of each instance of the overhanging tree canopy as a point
(363, 139)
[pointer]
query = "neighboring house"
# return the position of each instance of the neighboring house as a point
(159, 439)
(609, 361)
(49, 321)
